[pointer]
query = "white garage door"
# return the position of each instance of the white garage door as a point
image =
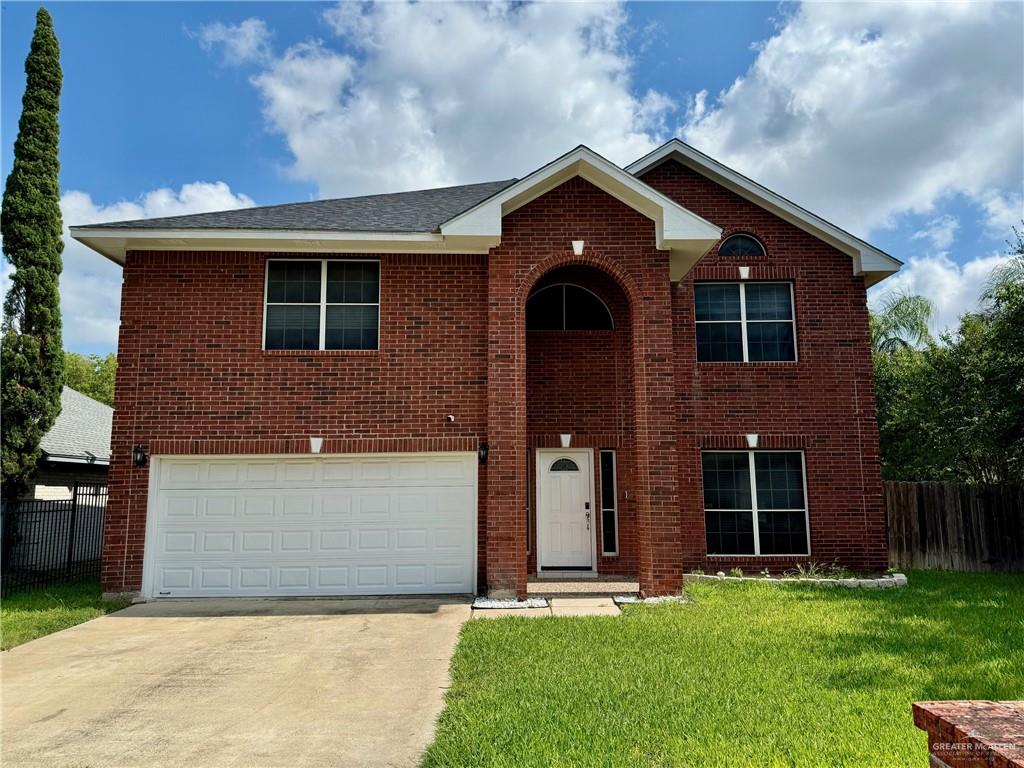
(332, 525)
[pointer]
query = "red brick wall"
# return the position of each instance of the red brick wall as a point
(193, 379)
(823, 404)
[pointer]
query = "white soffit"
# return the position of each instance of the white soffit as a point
(870, 262)
(681, 232)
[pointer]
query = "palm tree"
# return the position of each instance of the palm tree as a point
(901, 323)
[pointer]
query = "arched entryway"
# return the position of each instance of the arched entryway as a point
(580, 404)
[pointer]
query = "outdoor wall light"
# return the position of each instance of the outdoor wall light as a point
(140, 456)
(577, 247)
(482, 451)
(316, 444)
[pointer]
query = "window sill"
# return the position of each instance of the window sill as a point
(756, 557)
(320, 352)
(753, 364)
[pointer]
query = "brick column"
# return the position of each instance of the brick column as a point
(658, 513)
(506, 433)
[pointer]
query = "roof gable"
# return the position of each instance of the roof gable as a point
(870, 262)
(683, 233)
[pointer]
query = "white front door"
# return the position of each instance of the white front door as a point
(565, 515)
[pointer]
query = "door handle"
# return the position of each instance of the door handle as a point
(588, 519)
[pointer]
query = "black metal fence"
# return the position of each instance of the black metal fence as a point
(51, 541)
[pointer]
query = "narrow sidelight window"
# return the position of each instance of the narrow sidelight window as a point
(745, 322)
(609, 505)
(324, 304)
(755, 503)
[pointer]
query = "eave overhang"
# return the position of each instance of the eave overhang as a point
(115, 243)
(869, 262)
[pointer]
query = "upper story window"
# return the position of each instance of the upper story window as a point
(745, 322)
(566, 307)
(322, 304)
(740, 247)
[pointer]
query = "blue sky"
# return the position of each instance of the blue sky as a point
(902, 123)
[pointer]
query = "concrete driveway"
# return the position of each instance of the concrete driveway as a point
(239, 682)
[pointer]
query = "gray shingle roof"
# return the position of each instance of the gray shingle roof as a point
(81, 431)
(422, 211)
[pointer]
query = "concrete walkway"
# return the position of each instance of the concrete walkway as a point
(242, 682)
(557, 606)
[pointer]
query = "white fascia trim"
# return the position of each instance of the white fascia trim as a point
(114, 243)
(868, 261)
(685, 234)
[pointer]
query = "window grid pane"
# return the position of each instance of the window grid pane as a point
(294, 305)
(293, 326)
(729, 315)
(781, 513)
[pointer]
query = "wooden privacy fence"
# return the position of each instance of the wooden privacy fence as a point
(955, 527)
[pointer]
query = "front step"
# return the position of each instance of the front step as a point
(600, 587)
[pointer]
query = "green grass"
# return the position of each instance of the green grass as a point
(747, 674)
(25, 616)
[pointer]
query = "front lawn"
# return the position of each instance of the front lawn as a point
(25, 616)
(747, 674)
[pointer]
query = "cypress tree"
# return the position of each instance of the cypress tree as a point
(32, 355)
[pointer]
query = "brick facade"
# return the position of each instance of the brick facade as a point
(193, 379)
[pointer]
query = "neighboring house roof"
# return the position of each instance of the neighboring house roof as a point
(462, 219)
(81, 433)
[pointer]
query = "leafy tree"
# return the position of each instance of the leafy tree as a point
(92, 375)
(32, 357)
(954, 410)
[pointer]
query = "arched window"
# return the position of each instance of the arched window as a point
(566, 307)
(564, 465)
(740, 247)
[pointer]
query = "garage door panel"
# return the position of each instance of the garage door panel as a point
(413, 533)
(428, 470)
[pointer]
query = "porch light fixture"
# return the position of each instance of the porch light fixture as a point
(482, 451)
(566, 440)
(577, 247)
(744, 273)
(751, 441)
(140, 456)
(316, 444)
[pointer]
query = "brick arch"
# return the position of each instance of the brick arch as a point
(593, 259)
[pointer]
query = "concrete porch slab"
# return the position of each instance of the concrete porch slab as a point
(497, 613)
(584, 606)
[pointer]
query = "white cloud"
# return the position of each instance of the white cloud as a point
(436, 94)
(1002, 212)
(940, 232)
(952, 288)
(243, 43)
(865, 111)
(90, 285)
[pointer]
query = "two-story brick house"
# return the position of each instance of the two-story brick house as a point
(591, 370)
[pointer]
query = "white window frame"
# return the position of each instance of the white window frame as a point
(752, 477)
(323, 302)
(743, 318)
(614, 509)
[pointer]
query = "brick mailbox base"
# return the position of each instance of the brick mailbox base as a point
(973, 734)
